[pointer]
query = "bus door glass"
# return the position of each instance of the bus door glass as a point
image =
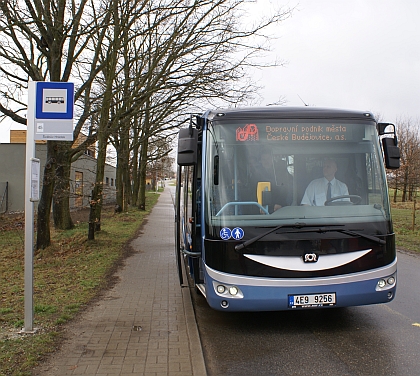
(187, 182)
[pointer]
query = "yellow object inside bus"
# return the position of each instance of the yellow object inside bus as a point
(262, 186)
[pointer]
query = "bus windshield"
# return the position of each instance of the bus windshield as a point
(294, 171)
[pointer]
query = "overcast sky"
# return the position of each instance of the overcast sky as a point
(352, 54)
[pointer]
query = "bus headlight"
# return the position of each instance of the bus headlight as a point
(386, 283)
(381, 283)
(227, 291)
(220, 289)
(391, 280)
(233, 290)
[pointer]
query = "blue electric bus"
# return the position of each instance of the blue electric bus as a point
(249, 239)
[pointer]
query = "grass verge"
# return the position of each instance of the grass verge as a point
(67, 276)
(406, 226)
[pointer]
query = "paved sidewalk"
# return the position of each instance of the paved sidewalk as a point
(145, 325)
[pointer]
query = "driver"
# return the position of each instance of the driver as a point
(320, 190)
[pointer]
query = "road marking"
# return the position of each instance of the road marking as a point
(394, 312)
(399, 314)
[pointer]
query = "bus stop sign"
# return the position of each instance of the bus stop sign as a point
(54, 110)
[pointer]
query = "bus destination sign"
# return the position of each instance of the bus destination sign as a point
(286, 132)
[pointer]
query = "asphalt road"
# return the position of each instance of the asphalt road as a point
(368, 340)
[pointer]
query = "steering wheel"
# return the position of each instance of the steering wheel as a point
(357, 200)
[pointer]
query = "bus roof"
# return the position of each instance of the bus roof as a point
(273, 112)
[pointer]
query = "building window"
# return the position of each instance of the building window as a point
(112, 182)
(90, 153)
(107, 181)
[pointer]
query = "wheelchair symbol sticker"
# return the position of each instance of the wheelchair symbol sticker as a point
(225, 233)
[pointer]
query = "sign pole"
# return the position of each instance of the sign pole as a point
(49, 117)
(29, 212)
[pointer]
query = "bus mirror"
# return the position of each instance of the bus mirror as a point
(391, 153)
(381, 128)
(187, 146)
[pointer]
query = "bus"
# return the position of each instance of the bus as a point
(244, 233)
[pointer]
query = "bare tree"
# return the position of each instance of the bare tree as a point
(51, 41)
(131, 59)
(406, 179)
(188, 54)
(173, 54)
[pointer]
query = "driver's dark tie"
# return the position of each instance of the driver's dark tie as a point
(329, 191)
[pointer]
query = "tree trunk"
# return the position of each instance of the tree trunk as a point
(61, 200)
(96, 200)
(127, 184)
(43, 239)
(395, 188)
(119, 196)
(123, 176)
(136, 182)
(142, 175)
(135, 161)
(405, 186)
(95, 210)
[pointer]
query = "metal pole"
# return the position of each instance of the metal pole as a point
(29, 211)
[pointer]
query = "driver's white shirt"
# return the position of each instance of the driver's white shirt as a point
(316, 192)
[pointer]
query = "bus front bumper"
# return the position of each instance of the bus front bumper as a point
(242, 293)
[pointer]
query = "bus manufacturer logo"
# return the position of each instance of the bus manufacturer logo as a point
(310, 257)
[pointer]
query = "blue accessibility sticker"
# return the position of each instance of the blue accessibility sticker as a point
(225, 233)
(237, 233)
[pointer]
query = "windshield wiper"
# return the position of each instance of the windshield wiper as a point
(319, 229)
(369, 237)
(347, 232)
(238, 247)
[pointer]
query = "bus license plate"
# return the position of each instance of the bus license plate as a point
(312, 300)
